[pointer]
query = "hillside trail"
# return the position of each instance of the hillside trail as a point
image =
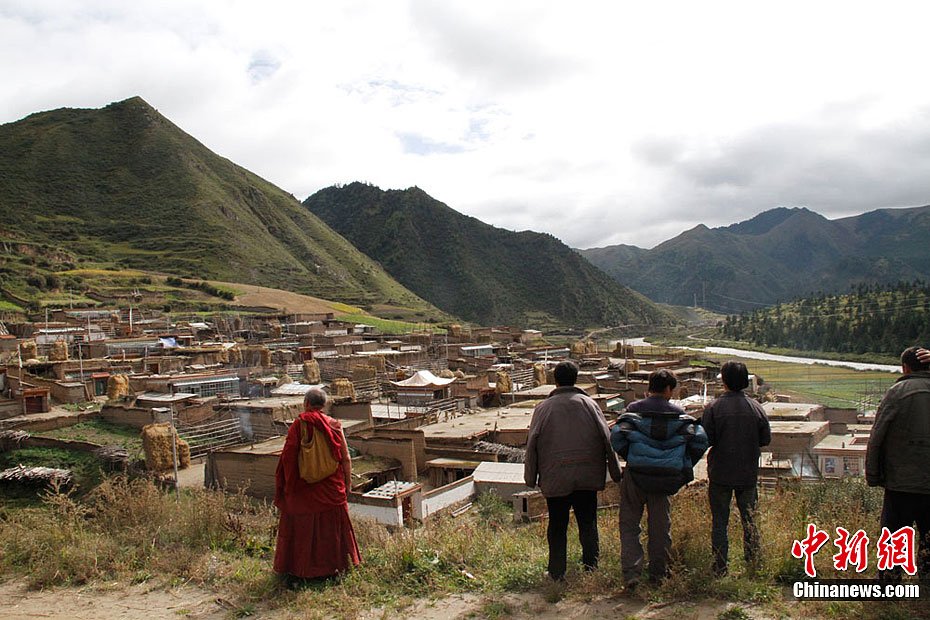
(151, 602)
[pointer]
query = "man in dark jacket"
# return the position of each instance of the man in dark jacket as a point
(568, 454)
(660, 444)
(736, 428)
(898, 455)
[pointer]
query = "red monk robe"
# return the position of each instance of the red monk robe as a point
(315, 536)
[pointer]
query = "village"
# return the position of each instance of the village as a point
(432, 418)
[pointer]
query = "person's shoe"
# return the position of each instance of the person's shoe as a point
(629, 588)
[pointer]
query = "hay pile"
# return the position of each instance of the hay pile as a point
(622, 350)
(446, 374)
(459, 374)
(455, 331)
(234, 355)
(342, 388)
(265, 356)
(377, 362)
(590, 347)
(156, 443)
(59, 352)
(364, 372)
(118, 387)
(630, 366)
(503, 382)
(312, 372)
(276, 330)
(29, 350)
(539, 374)
(578, 348)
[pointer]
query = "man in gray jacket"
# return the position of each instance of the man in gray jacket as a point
(568, 454)
(898, 455)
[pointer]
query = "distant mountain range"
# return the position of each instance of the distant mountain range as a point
(476, 271)
(124, 187)
(778, 255)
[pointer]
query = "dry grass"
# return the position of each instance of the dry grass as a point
(131, 531)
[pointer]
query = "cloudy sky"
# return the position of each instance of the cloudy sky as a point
(599, 122)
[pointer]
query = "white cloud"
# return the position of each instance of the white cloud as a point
(597, 122)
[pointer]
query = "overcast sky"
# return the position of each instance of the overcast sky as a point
(599, 122)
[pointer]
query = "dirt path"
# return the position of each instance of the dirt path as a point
(149, 602)
(138, 601)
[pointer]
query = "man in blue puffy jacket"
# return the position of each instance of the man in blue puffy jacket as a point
(660, 444)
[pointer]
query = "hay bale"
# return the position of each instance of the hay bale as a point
(364, 372)
(234, 355)
(342, 388)
(630, 366)
(590, 347)
(156, 443)
(312, 372)
(59, 352)
(223, 356)
(503, 382)
(377, 362)
(578, 348)
(118, 387)
(29, 350)
(265, 357)
(539, 374)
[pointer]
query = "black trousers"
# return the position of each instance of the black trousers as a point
(584, 503)
(900, 509)
(747, 498)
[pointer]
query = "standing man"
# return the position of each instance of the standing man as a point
(898, 456)
(736, 428)
(660, 444)
(568, 454)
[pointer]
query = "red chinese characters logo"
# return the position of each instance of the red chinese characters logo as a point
(896, 549)
(808, 547)
(852, 550)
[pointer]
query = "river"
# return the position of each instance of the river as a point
(760, 355)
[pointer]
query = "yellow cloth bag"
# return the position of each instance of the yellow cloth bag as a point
(315, 459)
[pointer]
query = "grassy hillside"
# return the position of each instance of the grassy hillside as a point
(123, 187)
(775, 256)
(476, 271)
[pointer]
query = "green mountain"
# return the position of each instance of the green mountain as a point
(474, 270)
(870, 319)
(123, 187)
(777, 255)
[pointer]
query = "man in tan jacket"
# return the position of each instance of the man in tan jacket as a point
(568, 454)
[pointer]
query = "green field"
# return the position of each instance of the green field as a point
(827, 385)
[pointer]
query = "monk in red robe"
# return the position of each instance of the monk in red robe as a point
(315, 536)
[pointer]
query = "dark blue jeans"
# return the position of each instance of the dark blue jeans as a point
(746, 499)
(584, 503)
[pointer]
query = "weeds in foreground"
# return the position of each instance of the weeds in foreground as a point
(131, 531)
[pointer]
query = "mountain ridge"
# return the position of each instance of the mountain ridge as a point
(123, 185)
(777, 255)
(472, 269)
